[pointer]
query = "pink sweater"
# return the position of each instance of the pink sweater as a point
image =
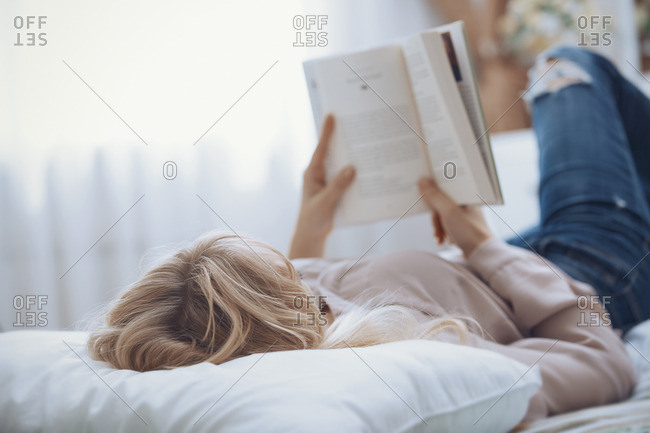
(534, 312)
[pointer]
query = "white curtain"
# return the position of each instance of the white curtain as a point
(89, 120)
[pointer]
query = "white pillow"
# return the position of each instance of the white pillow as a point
(394, 387)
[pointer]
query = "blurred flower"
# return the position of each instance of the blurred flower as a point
(530, 26)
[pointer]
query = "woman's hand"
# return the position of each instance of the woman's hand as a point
(319, 200)
(465, 226)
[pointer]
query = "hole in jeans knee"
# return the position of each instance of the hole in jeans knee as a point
(560, 82)
(552, 74)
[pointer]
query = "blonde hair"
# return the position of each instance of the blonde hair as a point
(225, 297)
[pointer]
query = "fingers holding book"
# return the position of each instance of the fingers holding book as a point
(319, 157)
(320, 199)
(464, 226)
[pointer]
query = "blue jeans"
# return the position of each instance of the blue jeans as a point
(594, 193)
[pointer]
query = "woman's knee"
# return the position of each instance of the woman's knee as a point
(563, 66)
(585, 58)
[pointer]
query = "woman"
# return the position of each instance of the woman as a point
(226, 297)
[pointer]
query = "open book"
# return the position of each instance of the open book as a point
(403, 111)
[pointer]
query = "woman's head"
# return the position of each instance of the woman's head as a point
(224, 297)
(218, 299)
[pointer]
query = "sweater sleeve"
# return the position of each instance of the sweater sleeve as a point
(582, 360)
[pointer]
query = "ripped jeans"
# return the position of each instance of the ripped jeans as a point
(593, 132)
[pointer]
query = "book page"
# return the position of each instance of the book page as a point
(449, 164)
(463, 70)
(376, 130)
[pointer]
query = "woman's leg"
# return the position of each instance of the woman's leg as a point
(591, 126)
(634, 109)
